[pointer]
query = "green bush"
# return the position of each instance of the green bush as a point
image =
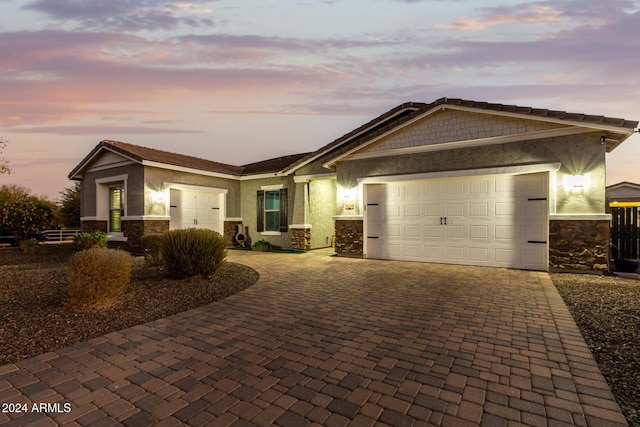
(152, 244)
(97, 239)
(95, 275)
(193, 252)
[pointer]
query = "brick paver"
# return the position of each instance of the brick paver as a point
(322, 340)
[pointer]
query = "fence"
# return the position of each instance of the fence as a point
(625, 232)
(61, 235)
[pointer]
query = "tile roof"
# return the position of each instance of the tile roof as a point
(272, 165)
(376, 127)
(140, 154)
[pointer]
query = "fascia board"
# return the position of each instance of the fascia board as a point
(188, 170)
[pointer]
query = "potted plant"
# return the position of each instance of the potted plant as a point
(262, 245)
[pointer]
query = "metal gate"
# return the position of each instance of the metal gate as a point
(625, 232)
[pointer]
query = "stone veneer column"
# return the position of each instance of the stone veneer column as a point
(300, 237)
(349, 237)
(578, 244)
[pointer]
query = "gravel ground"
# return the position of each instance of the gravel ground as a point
(607, 311)
(35, 319)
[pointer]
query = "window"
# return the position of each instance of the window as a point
(116, 209)
(272, 211)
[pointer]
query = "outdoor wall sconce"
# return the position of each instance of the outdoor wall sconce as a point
(158, 196)
(576, 183)
(349, 197)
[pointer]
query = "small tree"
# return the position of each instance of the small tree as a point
(69, 206)
(21, 213)
(24, 216)
(4, 163)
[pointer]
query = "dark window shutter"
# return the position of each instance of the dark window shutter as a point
(260, 211)
(284, 208)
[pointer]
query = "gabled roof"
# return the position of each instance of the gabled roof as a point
(624, 184)
(409, 111)
(154, 157)
(272, 165)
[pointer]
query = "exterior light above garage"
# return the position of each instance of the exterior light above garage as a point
(576, 183)
(158, 196)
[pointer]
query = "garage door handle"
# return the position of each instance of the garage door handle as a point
(372, 237)
(537, 198)
(372, 204)
(544, 242)
(443, 220)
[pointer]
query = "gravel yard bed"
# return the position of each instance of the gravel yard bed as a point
(607, 311)
(35, 319)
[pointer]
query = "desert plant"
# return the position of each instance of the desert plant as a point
(262, 245)
(193, 252)
(152, 244)
(95, 275)
(97, 239)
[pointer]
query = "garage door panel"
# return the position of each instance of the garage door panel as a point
(479, 209)
(455, 209)
(412, 231)
(412, 251)
(433, 231)
(455, 253)
(505, 209)
(454, 231)
(455, 187)
(505, 232)
(478, 255)
(479, 187)
(478, 231)
(433, 253)
(412, 210)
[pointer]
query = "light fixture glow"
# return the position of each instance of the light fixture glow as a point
(576, 183)
(158, 196)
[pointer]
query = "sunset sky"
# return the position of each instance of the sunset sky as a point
(239, 81)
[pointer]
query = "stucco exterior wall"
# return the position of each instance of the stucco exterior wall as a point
(156, 179)
(133, 193)
(248, 202)
(322, 207)
(578, 154)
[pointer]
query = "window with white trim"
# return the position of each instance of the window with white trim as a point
(272, 211)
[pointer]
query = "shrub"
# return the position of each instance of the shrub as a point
(152, 244)
(97, 239)
(95, 275)
(193, 252)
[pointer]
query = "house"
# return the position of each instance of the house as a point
(622, 194)
(452, 181)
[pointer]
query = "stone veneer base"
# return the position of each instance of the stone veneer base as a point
(578, 244)
(349, 237)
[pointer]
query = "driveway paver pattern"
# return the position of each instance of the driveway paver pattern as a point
(322, 340)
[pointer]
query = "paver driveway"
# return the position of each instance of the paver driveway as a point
(335, 341)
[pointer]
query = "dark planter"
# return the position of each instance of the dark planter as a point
(626, 265)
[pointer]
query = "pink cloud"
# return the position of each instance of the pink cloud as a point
(528, 13)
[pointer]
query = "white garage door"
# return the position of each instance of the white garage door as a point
(498, 220)
(195, 209)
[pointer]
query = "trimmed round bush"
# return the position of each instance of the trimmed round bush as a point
(193, 252)
(95, 275)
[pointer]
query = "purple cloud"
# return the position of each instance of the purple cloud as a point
(124, 14)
